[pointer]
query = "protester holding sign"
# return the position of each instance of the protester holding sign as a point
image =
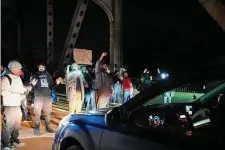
(75, 88)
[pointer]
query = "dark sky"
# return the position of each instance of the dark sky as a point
(156, 34)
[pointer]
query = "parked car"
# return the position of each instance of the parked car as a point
(194, 120)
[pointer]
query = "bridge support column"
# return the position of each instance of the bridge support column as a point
(73, 33)
(113, 9)
(50, 53)
(115, 34)
(216, 9)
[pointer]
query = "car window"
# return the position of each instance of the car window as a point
(188, 93)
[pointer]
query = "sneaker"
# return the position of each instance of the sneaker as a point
(12, 146)
(42, 118)
(50, 130)
(20, 144)
(7, 148)
(36, 132)
(27, 120)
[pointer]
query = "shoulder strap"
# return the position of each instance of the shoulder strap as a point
(9, 78)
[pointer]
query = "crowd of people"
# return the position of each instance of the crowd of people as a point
(14, 95)
(87, 89)
(92, 88)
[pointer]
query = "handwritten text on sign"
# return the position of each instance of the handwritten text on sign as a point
(82, 56)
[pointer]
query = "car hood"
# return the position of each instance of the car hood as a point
(93, 118)
(101, 111)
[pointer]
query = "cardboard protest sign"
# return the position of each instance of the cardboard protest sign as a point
(82, 56)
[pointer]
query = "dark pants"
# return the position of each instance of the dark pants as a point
(90, 100)
(97, 95)
(25, 110)
(45, 104)
(126, 95)
(12, 116)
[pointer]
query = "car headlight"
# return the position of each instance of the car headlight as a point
(164, 75)
(64, 121)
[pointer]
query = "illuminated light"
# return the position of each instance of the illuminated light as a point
(150, 117)
(182, 116)
(202, 122)
(188, 133)
(164, 75)
(158, 70)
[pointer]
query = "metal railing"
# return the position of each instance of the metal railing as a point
(61, 89)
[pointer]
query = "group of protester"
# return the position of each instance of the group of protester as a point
(87, 89)
(14, 93)
(96, 88)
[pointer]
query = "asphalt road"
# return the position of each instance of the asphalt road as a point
(45, 140)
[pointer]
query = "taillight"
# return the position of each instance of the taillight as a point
(188, 133)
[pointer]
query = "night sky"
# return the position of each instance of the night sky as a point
(169, 34)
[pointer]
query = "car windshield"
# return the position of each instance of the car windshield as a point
(189, 93)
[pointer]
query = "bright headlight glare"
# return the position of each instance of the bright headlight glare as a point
(64, 121)
(163, 76)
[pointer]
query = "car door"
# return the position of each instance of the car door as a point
(133, 137)
(123, 139)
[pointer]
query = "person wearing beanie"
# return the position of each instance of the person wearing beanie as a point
(13, 92)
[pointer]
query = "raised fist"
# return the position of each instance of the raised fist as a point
(34, 82)
(104, 54)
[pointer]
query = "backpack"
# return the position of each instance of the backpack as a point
(10, 82)
(9, 78)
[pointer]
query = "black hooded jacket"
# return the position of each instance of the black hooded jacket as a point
(44, 84)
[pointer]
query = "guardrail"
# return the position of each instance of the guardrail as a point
(61, 89)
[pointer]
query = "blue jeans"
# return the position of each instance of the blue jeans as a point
(126, 95)
(147, 84)
(117, 90)
(90, 99)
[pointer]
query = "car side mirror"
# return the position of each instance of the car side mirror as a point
(114, 117)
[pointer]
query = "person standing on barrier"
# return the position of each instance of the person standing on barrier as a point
(12, 93)
(43, 83)
(75, 88)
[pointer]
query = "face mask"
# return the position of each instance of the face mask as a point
(17, 72)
